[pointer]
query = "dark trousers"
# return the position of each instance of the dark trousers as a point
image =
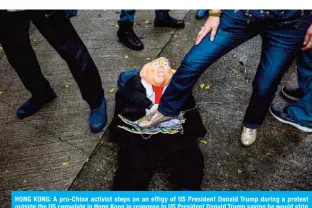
(282, 33)
(62, 36)
(302, 110)
(138, 158)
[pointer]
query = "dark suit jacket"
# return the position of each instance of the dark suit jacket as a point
(131, 102)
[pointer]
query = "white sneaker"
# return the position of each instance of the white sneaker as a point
(248, 136)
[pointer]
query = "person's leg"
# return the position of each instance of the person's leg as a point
(295, 93)
(20, 54)
(161, 14)
(304, 72)
(163, 19)
(299, 114)
(231, 33)
(126, 18)
(125, 31)
(304, 66)
(63, 37)
(274, 63)
(280, 47)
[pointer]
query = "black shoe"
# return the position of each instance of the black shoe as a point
(33, 105)
(282, 115)
(130, 39)
(292, 93)
(169, 22)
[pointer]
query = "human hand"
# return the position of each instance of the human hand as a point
(307, 43)
(211, 26)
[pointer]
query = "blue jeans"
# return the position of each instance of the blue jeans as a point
(282, 34)
(127, 16)
(302, 110)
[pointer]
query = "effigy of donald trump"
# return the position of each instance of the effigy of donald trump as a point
(173, 142)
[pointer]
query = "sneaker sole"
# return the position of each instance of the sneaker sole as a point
(288, 96)
(302, 128)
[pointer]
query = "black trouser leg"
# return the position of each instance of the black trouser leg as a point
(20, 54)
(63, 37)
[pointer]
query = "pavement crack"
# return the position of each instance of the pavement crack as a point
(76, 147)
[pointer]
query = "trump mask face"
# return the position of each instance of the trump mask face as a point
(157, 72)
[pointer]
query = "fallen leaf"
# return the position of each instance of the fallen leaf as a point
(134, 66)
(35, 42)
(227, 153)
(87, 160)
(24, 181)
(239, 171)
(67, 86)
(148, 59)
(65, 164)
(152, 41)
(176, 36)
(207, 87)
(116, 25)
(126, 56)
(202, 86)
(234, 71)
(147, 22)
(111, 90)
(203, 141)
(1, 92)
